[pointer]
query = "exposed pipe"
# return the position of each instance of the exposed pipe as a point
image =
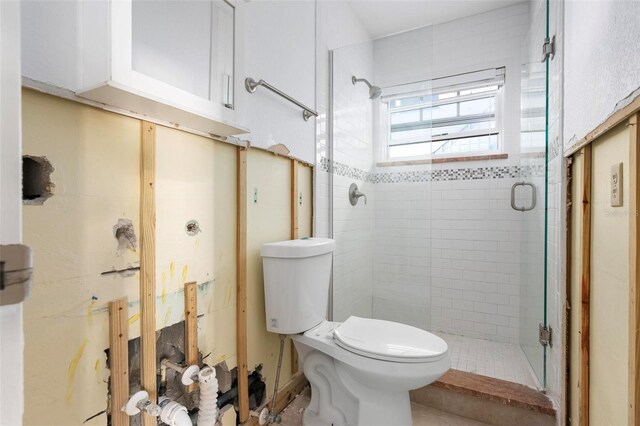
(170, 412)
(231, 394)
(267, 416)
(174, 414)
(207, 407)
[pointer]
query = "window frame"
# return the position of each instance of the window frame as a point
(469, 83)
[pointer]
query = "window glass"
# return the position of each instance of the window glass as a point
(453, 121)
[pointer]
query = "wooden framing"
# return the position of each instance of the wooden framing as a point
(148, 263)
(634, 272)
(119, 360)
(294, 199)
(191, 326)
(585, 288)
(294, 236)
(612, 121)
(241, 291)
(569, 371)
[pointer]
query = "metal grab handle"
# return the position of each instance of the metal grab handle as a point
(513, 197)
(250, 84)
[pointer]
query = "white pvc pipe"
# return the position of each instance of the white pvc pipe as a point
(208, 406)
(174, 414)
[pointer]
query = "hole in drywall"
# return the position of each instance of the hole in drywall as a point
(192, 228)
(125, 234)
(36, 180)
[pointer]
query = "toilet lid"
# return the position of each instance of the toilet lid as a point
(389, 341)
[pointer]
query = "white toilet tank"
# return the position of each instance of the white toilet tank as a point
(296, 283)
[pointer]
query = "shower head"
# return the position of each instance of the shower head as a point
(374, 91)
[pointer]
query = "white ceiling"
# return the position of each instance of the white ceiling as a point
(385, 17)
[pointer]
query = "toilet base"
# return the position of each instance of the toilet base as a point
(337, 399)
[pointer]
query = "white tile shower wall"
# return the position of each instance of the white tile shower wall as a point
(488, 40)
(336, 26)
(447, 256)
(401, 267)
(353, 258)
(352, 108)
(352, 147)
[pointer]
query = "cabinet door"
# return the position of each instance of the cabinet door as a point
(186, 44)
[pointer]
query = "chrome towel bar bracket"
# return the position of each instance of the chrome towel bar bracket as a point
(250, 84)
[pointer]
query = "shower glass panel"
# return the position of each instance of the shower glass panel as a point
(434, 241)
(533, 160)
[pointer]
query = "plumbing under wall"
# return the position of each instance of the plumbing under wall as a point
(173, 413)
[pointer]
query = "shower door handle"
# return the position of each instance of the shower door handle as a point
(513, 197)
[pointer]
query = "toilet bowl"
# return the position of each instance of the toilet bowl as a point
(360, 370)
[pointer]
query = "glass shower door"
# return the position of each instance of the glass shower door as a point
(530, 194)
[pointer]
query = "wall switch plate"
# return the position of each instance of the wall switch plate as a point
(255, 195)
(616, 185)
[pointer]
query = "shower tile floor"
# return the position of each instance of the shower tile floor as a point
(504, 361)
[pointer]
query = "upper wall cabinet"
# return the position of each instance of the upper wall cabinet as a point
(171, 59)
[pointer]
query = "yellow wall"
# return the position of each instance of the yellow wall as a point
(96, 156)
(609, 348)
(609, 297)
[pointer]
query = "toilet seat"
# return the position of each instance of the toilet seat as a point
(388, 341)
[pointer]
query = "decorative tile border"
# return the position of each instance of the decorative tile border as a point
(341, 169)
(439, 175)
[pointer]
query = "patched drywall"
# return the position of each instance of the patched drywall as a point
(601, 63)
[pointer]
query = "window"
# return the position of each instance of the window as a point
(458, 115)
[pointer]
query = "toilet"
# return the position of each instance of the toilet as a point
(360, 370)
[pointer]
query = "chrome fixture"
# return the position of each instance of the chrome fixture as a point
(250, 84)
(513, 197)
(548, 48)
(374, 91)
(354, 195)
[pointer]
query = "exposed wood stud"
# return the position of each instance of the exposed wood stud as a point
(119, 360)
(568, 368)
(147, 264)
(294, 236)
(585, 292)
(634, 272)
(191, 326)
(294, 199)
(241, 292)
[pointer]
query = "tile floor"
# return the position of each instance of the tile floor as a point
(504, 361)
(422, 415)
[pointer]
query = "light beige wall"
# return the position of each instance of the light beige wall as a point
(195, 180)
(305, 209)
(268, 220)
(609, 348)
(96, 156)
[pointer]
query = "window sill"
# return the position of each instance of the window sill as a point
(442, 160)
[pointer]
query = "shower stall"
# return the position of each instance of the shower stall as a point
(436, 175)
